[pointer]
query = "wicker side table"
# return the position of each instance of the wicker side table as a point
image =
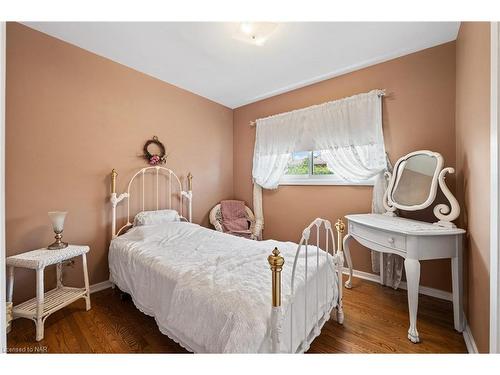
(46, 303)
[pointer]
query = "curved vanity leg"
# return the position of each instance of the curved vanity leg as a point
(347, 238)
(412, 268)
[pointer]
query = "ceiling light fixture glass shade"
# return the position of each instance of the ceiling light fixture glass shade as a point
(256, 33)
(246, 28)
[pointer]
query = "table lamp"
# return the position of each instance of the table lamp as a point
(57, 218)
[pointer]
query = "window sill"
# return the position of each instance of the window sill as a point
(326, 182)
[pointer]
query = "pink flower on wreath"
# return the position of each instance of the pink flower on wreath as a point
(153, 160)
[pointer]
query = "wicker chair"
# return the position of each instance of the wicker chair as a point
(216, 220)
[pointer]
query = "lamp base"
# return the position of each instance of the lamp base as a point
(58, 244)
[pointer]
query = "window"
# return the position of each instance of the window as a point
(309, 168)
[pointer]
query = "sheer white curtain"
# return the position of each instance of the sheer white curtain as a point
(349, 133)
(392, 264)
(275, 140)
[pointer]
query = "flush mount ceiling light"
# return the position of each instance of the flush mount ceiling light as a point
(256, 33)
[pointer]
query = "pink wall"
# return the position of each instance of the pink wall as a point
(473, 155)
(418, 113)
(72, 116)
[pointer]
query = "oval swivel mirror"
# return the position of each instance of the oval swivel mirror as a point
(415, 178)
(413, 186)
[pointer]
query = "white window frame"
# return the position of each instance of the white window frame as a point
(312, 179)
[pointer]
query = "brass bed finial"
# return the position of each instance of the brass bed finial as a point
(190, 181)
(113, 181)
(276, 262)
(340, 227)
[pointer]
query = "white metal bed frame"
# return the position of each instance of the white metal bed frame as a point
(184, 194)
(333, 254)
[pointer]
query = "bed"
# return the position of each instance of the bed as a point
(216, 293)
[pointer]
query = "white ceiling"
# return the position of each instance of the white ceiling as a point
(204, 58)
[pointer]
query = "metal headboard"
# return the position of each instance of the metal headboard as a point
(172, 177)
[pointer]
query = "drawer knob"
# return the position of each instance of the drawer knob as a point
(390, 240)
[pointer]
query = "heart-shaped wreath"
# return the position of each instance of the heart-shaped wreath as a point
(155, 159)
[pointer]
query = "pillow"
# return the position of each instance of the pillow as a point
(155, 217)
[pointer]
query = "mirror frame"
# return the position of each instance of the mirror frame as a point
(434, 184)
(446, 214)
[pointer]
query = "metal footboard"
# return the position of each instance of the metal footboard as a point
(333, 255)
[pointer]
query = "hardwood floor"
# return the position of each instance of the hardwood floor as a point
(376, 321)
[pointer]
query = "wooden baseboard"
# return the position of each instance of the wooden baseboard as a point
(469, 340)
(100, 286)
(425, 290)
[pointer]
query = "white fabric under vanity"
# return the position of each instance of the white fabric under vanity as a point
(210, 291)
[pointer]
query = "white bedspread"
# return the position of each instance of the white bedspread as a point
(211, 292)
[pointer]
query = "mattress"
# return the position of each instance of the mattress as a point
(211, 292)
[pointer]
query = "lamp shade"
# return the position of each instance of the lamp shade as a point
(57, 218)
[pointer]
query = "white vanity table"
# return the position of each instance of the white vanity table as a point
(413, 186)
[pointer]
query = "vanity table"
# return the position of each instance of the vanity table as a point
(413, 186)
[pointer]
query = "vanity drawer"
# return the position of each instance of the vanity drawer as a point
(386, 239)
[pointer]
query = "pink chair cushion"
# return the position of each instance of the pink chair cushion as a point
(234, 220)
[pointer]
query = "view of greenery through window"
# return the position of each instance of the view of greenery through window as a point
(300, 164)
